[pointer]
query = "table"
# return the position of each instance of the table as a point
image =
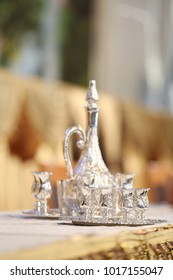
(44, 239)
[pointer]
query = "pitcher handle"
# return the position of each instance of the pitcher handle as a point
(80, 144)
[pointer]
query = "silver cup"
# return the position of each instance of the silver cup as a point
(42, 191)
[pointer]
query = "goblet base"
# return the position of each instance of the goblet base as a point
(51, 214)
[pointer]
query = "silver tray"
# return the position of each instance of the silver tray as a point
(118, 223)
(51, 214)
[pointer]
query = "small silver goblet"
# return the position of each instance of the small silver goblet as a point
(42, 191)
(141, 202)
(128, 205)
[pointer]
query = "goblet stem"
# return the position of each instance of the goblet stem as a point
(37, 206)
(44, 207)
(142, 215)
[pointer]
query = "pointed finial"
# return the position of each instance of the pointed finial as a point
(92, 94)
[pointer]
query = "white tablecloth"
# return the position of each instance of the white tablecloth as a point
(19, 232)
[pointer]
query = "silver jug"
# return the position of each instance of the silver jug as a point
(92, 181)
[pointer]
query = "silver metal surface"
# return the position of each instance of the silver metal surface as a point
(91, 194)
(42, 191)
(115, 222)
(50, 214)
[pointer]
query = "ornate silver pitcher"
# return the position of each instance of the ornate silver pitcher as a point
(91, 169)
(92, 181)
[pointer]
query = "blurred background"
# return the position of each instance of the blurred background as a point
(125, 45)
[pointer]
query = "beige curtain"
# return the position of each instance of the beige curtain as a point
(15, 177)
(11, 100)
(46, 108)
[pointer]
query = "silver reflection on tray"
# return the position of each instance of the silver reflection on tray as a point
(91, 194)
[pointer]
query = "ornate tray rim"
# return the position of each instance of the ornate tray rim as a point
(146, 222)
